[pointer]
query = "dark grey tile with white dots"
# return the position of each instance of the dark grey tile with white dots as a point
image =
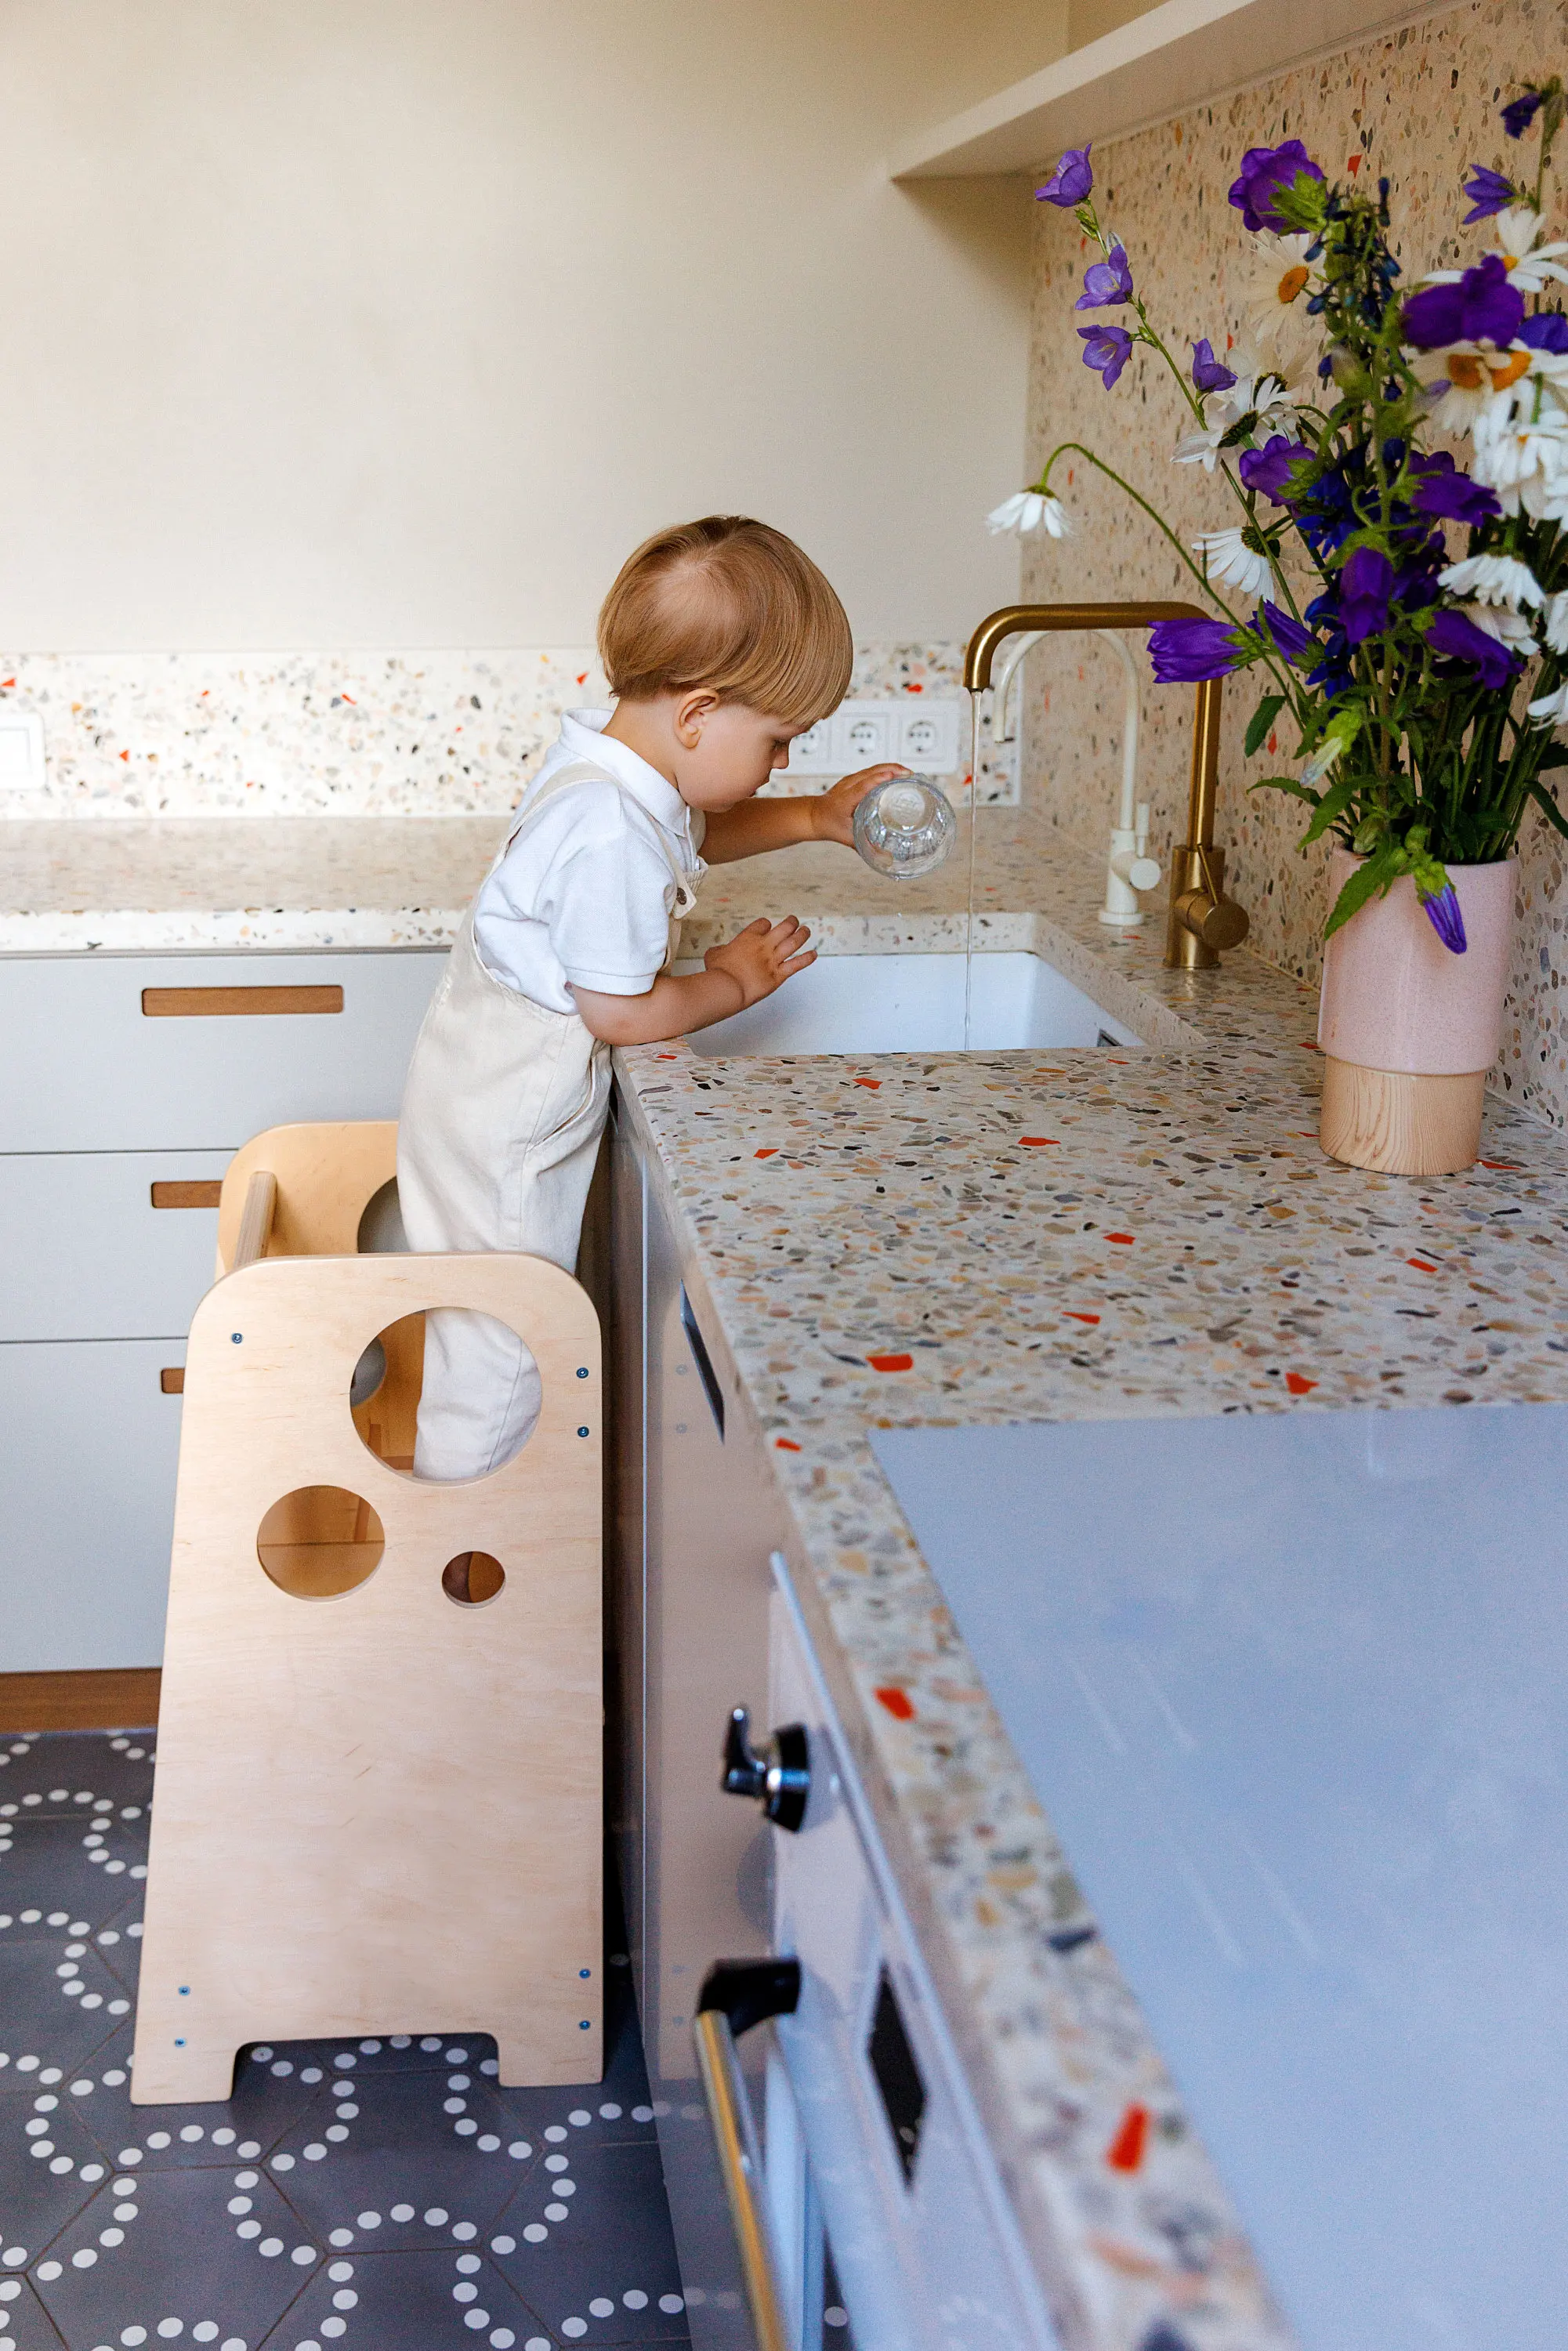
(383, 2195)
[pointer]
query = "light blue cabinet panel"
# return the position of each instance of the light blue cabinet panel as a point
(89, 1444)
(83, 1068)
(85, 1255)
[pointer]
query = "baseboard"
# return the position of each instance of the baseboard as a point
(124, 1699)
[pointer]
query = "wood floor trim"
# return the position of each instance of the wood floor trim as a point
(124, 1699)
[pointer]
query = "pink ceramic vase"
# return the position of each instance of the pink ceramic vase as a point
(1410, 1029)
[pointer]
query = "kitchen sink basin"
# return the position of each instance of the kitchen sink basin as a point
(915, 1004)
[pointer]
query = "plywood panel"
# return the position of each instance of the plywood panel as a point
(427, 1852)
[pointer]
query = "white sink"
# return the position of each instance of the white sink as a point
(915, 1004)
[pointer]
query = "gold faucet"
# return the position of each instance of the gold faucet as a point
(1202, 918)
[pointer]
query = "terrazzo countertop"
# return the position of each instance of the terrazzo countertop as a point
(936, 1239)
(1055, 1235)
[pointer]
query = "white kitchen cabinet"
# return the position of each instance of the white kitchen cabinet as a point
(690, 1582)
(84, 1067)
(84, 1254)
(88, 1443)
(116, 1073)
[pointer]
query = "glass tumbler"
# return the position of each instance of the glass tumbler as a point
(905, 827)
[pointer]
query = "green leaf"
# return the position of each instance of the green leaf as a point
(1292, 784)
(1262, 718)
(1546, 802)
(1332, 807)
(1375, 879)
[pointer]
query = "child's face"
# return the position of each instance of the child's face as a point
(725, 751)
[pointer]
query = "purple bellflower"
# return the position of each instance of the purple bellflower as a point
(1546, 332)
(1443, 913)
(1521, 112)
(1071, 181)
(1105, 282)
(1365, 585)
(1208, 373)
(1268, 622)
(1184, 652)
(1266, 174)
(1461, 640)
(1489, 192)
(1268, 469)
(1483, 307)
(1446, 495)
(1107, 349)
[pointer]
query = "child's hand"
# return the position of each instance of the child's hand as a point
(833, 812)
(763, 956)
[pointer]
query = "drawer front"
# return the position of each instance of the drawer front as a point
(199, 1052)
(86, 1503)
(85, 1253)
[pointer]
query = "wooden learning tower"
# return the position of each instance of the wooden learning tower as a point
(379, 1749)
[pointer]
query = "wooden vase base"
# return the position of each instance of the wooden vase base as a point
(1399, 1123)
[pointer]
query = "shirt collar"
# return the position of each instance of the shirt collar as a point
(582, 734)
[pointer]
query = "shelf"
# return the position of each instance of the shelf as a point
(1173, 57)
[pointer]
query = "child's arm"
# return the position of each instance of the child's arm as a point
(749, 966)
(754, 825)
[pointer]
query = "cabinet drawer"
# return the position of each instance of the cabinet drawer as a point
(84, 1253)
(193, 1052)
(86, 1502)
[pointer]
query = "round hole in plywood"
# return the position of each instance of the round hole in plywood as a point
(381, 1232)
(486, 1379)
(471, 1578)
(319, 1541)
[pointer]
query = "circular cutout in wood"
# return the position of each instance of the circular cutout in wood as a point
(471, 1578)
(319, 1541)
(483, 1378)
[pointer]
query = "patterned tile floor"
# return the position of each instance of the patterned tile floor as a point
(368, 2196)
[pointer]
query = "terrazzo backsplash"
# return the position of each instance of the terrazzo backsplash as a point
(301, 734)
(1420, 106)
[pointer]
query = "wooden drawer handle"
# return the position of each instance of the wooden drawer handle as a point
(172, 1382)
(203, 1192)
(209, 1003)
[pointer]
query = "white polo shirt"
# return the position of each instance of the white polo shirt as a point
(585, 892)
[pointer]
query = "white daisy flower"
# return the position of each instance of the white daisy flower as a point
(1555, 620)
(1524, 460)
(1552, 709)
(1493, 579)
(1278, 289)
(1508, 628)
(1529, 265)
(1031, 510)
(1225, 555)
(1261, 396)
(1475, 377)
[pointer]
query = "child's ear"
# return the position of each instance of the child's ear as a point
(692, 713)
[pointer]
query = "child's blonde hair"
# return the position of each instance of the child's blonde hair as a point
(732, 605)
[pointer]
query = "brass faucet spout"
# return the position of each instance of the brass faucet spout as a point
(1202, 918)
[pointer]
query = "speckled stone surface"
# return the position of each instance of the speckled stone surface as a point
(1420, 104)
(173, 883)
(128, 736)
(1079, 1234)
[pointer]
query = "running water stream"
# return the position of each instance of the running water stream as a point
(974, 834)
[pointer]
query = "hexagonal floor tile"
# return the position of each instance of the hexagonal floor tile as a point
(597, 2262)
(409, 2301)
(218, 2250)
(247, 2125)
(389, 2161)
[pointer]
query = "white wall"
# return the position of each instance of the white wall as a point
(398, 322)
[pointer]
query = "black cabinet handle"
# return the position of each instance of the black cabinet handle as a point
(777, 1776)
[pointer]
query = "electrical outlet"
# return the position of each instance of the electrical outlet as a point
(21, 751)
(928, 736)
(919, 733)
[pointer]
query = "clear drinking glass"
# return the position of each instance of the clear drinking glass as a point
(905, 827)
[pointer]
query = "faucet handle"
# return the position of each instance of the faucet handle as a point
(1203, 920)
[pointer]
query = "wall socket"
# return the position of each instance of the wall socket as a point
(921, 734)
(21, 751)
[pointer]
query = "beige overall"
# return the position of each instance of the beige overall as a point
(502, 1113)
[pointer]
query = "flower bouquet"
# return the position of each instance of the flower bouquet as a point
(1411, 612)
